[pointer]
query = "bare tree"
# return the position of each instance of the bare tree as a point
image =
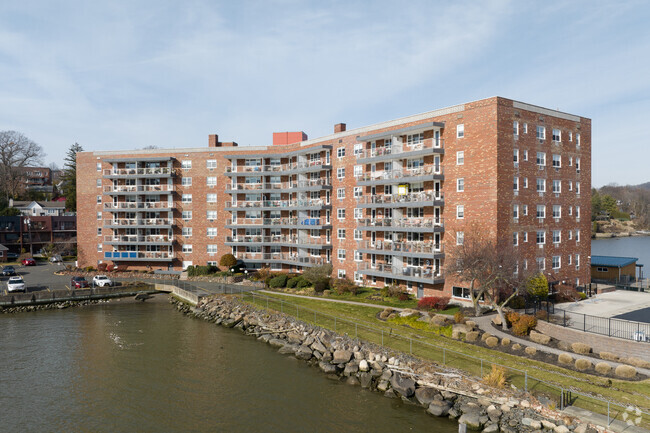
(16, 151)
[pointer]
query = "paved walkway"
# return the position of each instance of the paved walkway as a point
(485, 324)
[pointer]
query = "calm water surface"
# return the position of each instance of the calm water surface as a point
(147, 368)
(636, 246)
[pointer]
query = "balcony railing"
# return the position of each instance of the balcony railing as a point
(401, 222)
(139, 238)
(138, 222)
(275, 203)
(139, 188)
(141, 205)
(396, 198)
(277, 239)
(405, 271)
(416, 247)
(138, 171)
(400, 174)
(275, 168)
(139, 255)
(277, 186)
(275, 221)
(286, 257)
(399, 149)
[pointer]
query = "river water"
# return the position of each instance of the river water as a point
(634, 246)
(134, 367)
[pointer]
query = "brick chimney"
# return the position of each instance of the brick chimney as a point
(283, 138)
(339, 127)
(213, 140)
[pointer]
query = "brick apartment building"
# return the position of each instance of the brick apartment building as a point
(32, 233)
(382, 203)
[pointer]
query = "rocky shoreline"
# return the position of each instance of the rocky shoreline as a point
(442, 392)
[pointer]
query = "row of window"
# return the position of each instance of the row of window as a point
(187, 249)
(541, 159)
(187, 198)
(541, 133)
(187, 215)
(540, 236)
(541, 185)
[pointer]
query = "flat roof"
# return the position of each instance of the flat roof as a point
(612, 261)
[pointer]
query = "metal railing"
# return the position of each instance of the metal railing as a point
(400, 174)
(285, 257)
(138, 238)
(401, 148)
(401, 222)
(138, 222)
(276, 221)
(276, 203)
(609, 326)
(404, 247)
(138, 171)
(140, 205)
(395, 271)
(277, 186)
(304, 240)
(139, 188)
(397, 198)
(319, 163)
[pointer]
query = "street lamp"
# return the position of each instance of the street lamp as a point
(28, 223)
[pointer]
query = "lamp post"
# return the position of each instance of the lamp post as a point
(28, 223)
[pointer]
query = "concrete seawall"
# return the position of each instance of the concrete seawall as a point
(184, 295)
(56, 296)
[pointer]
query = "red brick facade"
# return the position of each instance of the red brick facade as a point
(282, 206)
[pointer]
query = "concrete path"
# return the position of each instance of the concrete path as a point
(598, 419)
(485, 324)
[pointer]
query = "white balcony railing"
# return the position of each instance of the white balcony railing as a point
(403, 247)
(286, 257)
(396, 198)
(138, 238)
(400, 174)
(278, 239)
(139, 188)
(275, 221)
(275, 168)
(138, 222)
(401, 222)
(138, 171)
(275, 203)
(428, 272)
(401, 148)
(277, 186)
(140, 205)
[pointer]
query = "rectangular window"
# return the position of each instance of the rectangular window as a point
(186, 164)
(340, 234)
(578, 165)
(577, 140)
(557, 135)
(341, 273)
(99, 215)
(211, 198)
(557, 186)
(358, 149)
(186, 198)
(460, 131)
(212, 214)
(340, 172)
(541, 159)
(525, 128)
(557, 211)
(577, 261)
(100, 248)
(525, 158)
(212, 181)
(340, 213)
(541, 263)
(525, 238)
(212, 231)
(99, 166)
(340, 253)
(358, 256)
(541, 237)
(541, 211)
(557, 236)
(577, 235)
(212, 249)
(525, 182)
(99, 199)
(414, 139)
(541, 185)
(557, 161)
(515, 211)
(577, 187)
(541, 133)
(358, 213)
(187, 231)
(515, 128)
(460, 238)
(340, 152)
(358, 235)
(211, 163)
(515, 239)
(99, 183)
(556, 262)
(358, 191)
(460, 157)
(578, 212)
(515, 156)
(358, 170)
(99, 231)
(187, 215)
(187, 248)
(460, 211)
(460, 184)
(340, 193)
(515, 183)
(186, 181)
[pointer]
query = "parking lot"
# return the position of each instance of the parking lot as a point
(39, 277)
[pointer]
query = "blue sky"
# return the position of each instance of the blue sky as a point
(129, 74)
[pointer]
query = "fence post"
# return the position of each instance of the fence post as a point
(564, 318)
(267, 303)
(584, 323)
(562, 400)
(444, 356)
(334, 324)
(481, 367)
(608, 413)
(609, 327)
(526, 380)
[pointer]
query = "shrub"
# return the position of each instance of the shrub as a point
(102, 267)
(523, 325)
(384, 292)
(582, 295)
(540, 338)
(318, 274)
(197, 271)
(609, 356)
(565, 358)
(516, 346)
(228, 261)
(344, 285)
(459, 317)
(566, 293)
(302, 283)
(581, 348)
(512, 317)
(583, 364)
(517, 303)
(541, 315)
(492, 341)
(278, 281)
(293, 282)
(394, 291)
(530, 351)
(505, 342)
(496, 378)
(403, 296)
(625, 371)
(89, 269)
(321, 285)
(538, 286)
(603, 368)
(433, 303)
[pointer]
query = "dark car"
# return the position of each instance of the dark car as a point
(12, 256)
(8, 271)
(29, 262)
(78, 282)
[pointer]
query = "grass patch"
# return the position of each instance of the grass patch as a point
(429, 345)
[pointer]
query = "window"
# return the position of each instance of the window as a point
(541, 263)
(541, 133)
(340, 253)
(525, 158)
(186, 198)
(341, 273)
(460, 211)
(460, 238)
(515, 211)
(541, 185)
(358, 149)
(187, 248)
(99, 183)
(557, 135)
(460, 157)
(541, 159)
(557, 211)
(212, 249)
(358, 256)
(340, 152)
(541, 237)
(99, 199)
(100, 248)
(186, 164)
(525, 239)
(577, 261)
(358, 191)
(211, 198)
(340, 234)
(525, 128)
(358, 170)
(557, 236)
(187, 231)
(570, 139)
(211, 163)
(515, 183)
(515, 239)
(340, 213)
(569, 257)
(340, 193)
(570, 234)
(99, 231)
(556, 262)
(414, 139)
(460, 131)
(358, 235)
(187, 215)
(557, 186)
(212, 214)
(578, 165)
(600, 269)
(212, 231)
(577, 212)
(557, 161)
(525, 182)
(99, 215)
(541, 211)
(515, 156)
(577, 235)
(358, 213)
(212, 181)
(515, 128)
(186, 181)
(340, 172)
(577, 140)
(577, 187)
(460, 184)
(99, 166)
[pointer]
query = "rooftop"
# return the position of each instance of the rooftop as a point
(612, 261)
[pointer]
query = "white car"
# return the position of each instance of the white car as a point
(16, 284)
(101, 281)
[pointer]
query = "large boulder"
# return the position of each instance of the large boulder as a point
(439, 408)
(472, 420)
(472, 336)
(425, 396)
(288, 349)
(326, 367)
(404, 386)
(492, 341)
(304, 353)
(341, 356)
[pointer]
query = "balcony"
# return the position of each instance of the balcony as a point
(278, 240)
(135, 207)
(138, 172)
(401, 150)
(406, 248)
(402, 224)
(286, 258)
(306, 223)
(292, 167)
(418, 274)
(138, 239)
(414, 199)
(280, 186)
(276, 204)
(421, 174)
(139, 255)
(135, 222)
(138, 189)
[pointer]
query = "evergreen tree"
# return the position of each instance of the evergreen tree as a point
(69, 177)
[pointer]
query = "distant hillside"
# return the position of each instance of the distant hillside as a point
(644, 185)
(630, 199)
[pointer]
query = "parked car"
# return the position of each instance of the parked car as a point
(16, 284)
(29, 261)
(56, 259)
(78, 282)
(12, 256)
(8, 271)
(101, 281)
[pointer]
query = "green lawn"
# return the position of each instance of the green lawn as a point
(429, 346)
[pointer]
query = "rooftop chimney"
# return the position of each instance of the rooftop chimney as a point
(283, 138)
(339, 127)
(213, 140)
